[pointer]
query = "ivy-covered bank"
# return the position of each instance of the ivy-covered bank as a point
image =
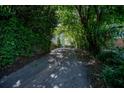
(24, 30)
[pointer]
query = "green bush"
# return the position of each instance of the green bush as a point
(16, 40)
(113, 70)
(111, 57)
(24, 30)
(114, 77)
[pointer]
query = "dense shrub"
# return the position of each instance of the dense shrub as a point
(41, 20)
(113, 69)
(114, 76)
(24, 30)
(16, 40)
(111, 57)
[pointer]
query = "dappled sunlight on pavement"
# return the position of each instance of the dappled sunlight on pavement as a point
(63, 70)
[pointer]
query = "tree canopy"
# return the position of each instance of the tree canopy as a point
(27, 30)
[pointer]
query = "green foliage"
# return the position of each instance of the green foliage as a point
(114, 77)
(99, 23)
(6, 11)
(69, 25)
(41, 20)
(113, 70)
(15, 39)
(28, 29)
(111, 57)
(24, 30)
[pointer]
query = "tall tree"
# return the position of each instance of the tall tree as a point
(97, 21)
